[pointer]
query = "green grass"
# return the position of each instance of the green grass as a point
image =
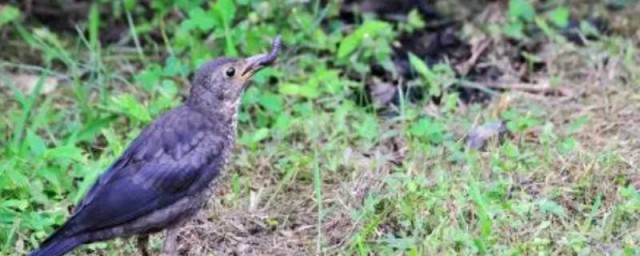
(315, 171)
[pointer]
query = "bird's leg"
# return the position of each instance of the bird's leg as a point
(170, 246)
(143, 241)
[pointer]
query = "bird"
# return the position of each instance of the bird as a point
(165, 175)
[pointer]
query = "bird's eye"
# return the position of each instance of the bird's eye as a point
(230, 72)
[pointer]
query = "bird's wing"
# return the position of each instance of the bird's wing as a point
(166, 162)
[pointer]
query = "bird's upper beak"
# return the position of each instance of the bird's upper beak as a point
(257, 62)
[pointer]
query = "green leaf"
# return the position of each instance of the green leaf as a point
(64, 152)
(252, 139)
(546, 29)
(510, 150)
(372, 27)
(310, 90)
(259, 135)
(201, 20)
(289, 89)
(130, 5)
(368, 128)
(51, 45)
(169, 88)
(567, 145)
(174, 67)
(37, 146)
(560, 16)
(348, 45)
(427, 129)
(251, 95)
(130, 106)
(8, 13)
(421, 68)
(351, 42)
(485, 221)
(327, 79)
(513, 30)
(226, 10)
(86, 184)
(94, 26)
(588, 29)
(149, 78)
(521, 9)
(577, 124)
(18, 179)
(90, 130)
(263, 75)
(283, 122)
(36, 191)
(549, 206)
(15, 204)
(415, 19)
(113, 141)
(271, 102)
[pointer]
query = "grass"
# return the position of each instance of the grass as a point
(317, 171)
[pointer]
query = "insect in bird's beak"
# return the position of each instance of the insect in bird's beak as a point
(257, 62)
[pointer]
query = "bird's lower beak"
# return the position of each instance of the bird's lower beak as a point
(257, 62)
(254, 64)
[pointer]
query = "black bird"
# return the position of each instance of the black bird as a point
(163, 178)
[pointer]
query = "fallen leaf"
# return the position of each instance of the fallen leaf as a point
(381, 92)
(542, 87)
(635, 182)
(479, 136)
(27, 83)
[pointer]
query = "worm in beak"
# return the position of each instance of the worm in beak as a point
(257, 62)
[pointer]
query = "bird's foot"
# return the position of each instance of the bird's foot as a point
(143, 241)
(170, 243)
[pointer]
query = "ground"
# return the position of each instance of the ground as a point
(362, 140)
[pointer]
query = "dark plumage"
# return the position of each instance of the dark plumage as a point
(163, 177)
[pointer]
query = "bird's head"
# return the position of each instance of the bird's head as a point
(220, 83)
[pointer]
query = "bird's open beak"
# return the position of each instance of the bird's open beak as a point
(257, 62)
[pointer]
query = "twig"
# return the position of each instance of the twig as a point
(476, 51)
(541, 88)
(134, 34)
(477, 86)
(59, 75)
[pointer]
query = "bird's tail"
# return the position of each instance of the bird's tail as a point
(57, 248)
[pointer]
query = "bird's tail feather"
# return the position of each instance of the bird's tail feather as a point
(57, 248)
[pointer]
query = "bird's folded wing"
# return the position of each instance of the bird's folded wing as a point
(162, 165)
